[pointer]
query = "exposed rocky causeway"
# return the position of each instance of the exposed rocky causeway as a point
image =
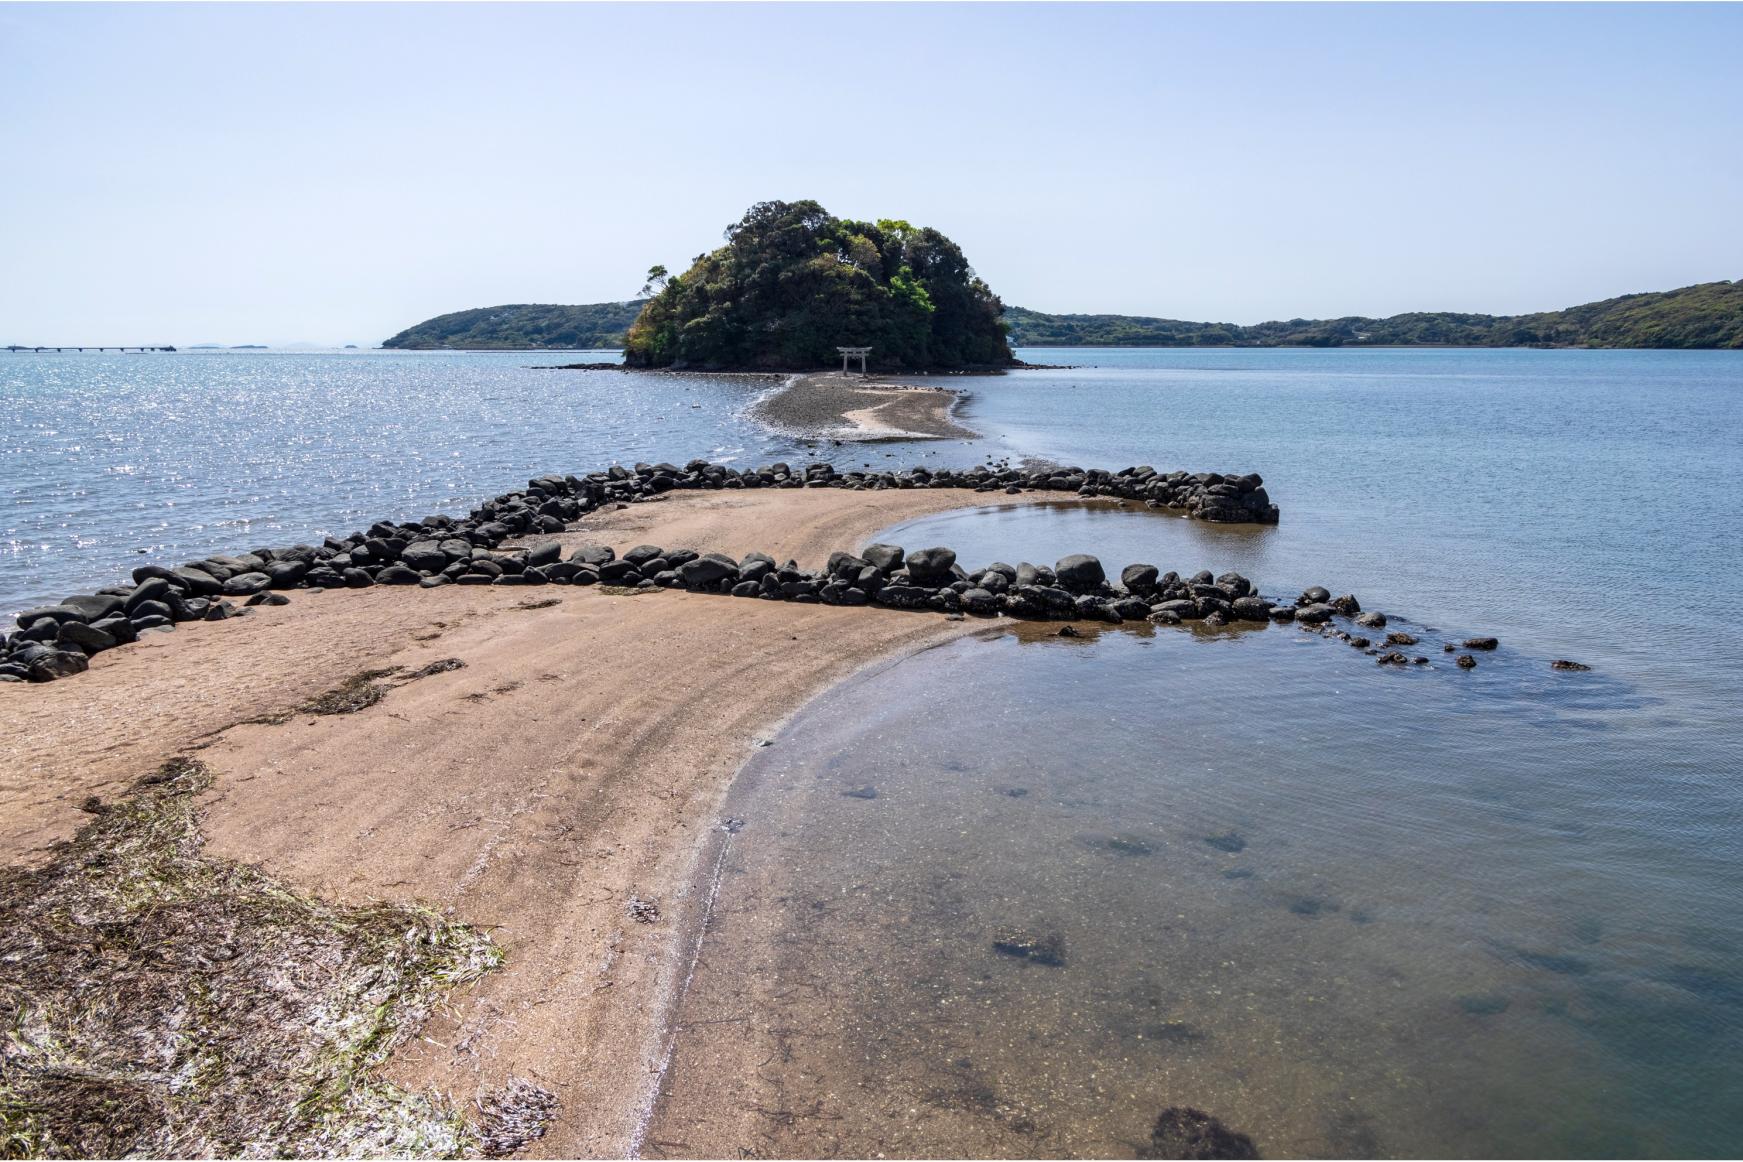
(57, 641)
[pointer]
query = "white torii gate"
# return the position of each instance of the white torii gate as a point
(853, 353)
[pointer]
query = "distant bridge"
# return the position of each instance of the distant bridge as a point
(15, 347)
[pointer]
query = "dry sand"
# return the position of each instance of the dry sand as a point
(852, 407)
(576, 762)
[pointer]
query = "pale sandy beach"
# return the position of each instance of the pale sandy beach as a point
(855, 407)
(576, 761)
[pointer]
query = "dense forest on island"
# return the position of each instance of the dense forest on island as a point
(523, 325)
(793, 282)
(1707, 315)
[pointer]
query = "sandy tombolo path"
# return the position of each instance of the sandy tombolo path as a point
(577, 761)
(852, 407)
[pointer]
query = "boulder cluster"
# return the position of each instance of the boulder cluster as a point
(56, 641)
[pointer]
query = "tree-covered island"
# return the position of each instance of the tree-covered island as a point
(794, 282)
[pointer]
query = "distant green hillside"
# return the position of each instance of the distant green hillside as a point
(1707, 315)
(523, 325)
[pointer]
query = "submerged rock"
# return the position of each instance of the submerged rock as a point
(1036, 948)
(1229, 841)
(1182, 1132)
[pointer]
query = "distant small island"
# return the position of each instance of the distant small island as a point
(794, 282)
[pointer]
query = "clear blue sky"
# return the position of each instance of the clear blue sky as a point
(255, 173)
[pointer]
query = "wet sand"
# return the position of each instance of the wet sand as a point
(854, 407)
(577, 761)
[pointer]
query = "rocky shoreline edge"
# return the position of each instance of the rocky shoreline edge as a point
(57, 641)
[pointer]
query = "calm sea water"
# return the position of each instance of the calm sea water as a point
(1491, 913)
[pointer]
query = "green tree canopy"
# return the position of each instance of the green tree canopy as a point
(793, 283)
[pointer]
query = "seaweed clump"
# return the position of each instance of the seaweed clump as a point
(358, 692)
(513, 1115)
(163, 1002)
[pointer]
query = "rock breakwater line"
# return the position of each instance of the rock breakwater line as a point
(57, 641)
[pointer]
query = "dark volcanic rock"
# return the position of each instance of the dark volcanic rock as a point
(285, 574)
(710, 569)
(118, 628)
(198, 582)
(244, 584)
(1237, 585)
(1139, 579)
(1079, 572)
(95, 607)
(150, 589)
(594, 555)
(424, 556)
(58, 664)
(85, 637)
(54, 613)
(1481, 643)
(1251, 608)
(885, 557)
(930, 566)
(621, 572)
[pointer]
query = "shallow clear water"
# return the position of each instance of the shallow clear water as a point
(1350, 910)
